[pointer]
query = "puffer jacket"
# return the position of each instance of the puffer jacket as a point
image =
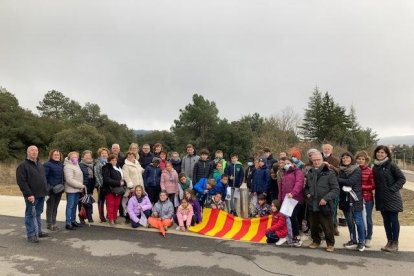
(185, 215)
(164, 209)
(133, 174)
(169, 182)
(53, 172)
(73, 177)
(137, 206)
(368, 184)
(279, 226)
(389, 180)
(351, 179)
(321, 183)
(111, 177)
(260, 180)
(187, 165)
(203, 169)
(292, 181)
(152, 176)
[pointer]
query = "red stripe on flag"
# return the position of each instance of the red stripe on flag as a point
(243, 230)
(227, 226)
(211, 221)
(261, 231)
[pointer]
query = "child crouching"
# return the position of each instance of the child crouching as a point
(278, 231)
(162, 213)
(185, 215)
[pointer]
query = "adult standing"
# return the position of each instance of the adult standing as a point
(30, 176)
(116, 149)
(270, 160)
(333, 163)
(54, 176)
(146, 156)
(188, 162)
(97, 171)
(73, 187)
(320, 190)
(86, 166)
(389, 180)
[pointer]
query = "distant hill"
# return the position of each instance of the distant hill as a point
(142, 131)
(397, 140)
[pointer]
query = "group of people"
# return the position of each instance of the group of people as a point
(148, 189)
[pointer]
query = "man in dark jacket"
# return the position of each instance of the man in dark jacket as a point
(152, 180)
(270, 160)
(320, 190)
(145, 157)
(30, 176)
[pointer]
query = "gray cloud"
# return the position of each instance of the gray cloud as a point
(142, 60)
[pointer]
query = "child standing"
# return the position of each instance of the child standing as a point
(169, 181)
(278, 231)
(203, 168)
(236, 175)
(184, 217)
(162, 214)
(262, 208)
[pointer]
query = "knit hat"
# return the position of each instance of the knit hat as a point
(156, 159)
(263, 159)
(297, 154)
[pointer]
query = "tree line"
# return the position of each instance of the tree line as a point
(65, 124)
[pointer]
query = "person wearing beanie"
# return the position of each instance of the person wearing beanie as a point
(152, 179)
(296, 159)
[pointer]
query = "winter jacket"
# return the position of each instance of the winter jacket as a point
(163, 209)
(248, 176)
(97, 172)
(236, 171)
(176, 165)
(54, 172)
(389, 180)
(152, 176)
(201, 186)
(136, 207)
(279, 226)
(221, 188)
(368, 184)
(169, 182)
(351, 179)
(133, 174)
(217, 205)
(260, 180)
(197, 209)
(270, 161)
(145, 159)
(202, 169)
(321, 183)
(217, 174)
(111, 177)
(261, 211)
(185, 215)
(163, 164)
(187, 165)
(88, 180)
(333, 162)
(184, 186)
(31, 179)
(73, 177)
(292, 182)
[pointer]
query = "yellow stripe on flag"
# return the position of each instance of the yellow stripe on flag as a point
(254, 226)
(221, 220)
(204, 221)
(269, 223)
(237, 225)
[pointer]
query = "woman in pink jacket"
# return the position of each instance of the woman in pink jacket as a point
(139, 205)
(291, 185)
(169, 182)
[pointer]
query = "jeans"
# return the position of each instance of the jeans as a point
(32, 218)
(72, 203)
(51, 207)
(368, 206)
(272, 237)
(391, 225)
(355, 218)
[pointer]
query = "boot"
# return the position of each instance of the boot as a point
(387, 246)
(393, 247)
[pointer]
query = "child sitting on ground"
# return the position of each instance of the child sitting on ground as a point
(162, 213)
(278, 231)
(217, 203)
(262, 209)
(184, 215)
(139, 205)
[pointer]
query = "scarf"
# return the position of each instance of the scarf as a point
(348, 169)
(379, 163)
(89, 165)
(185, 185)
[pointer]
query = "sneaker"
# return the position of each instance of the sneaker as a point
(361, 247)
(329, 248)
(296, 242)
(368, 243)
(280, 241)
(314, 245)
(350, 245)
(50, 227)
(177, 228)
(33, 239)
(43, 235)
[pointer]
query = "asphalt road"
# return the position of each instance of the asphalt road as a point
(101, 250)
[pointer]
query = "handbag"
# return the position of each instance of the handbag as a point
(82, 213)
(87, 199)
(120, 190)
(57, 189)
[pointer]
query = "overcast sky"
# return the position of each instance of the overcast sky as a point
(141, 61)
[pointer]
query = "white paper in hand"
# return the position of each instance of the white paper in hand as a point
(228, 193)
(288, 205)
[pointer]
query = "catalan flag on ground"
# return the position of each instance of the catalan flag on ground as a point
(220, 224)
